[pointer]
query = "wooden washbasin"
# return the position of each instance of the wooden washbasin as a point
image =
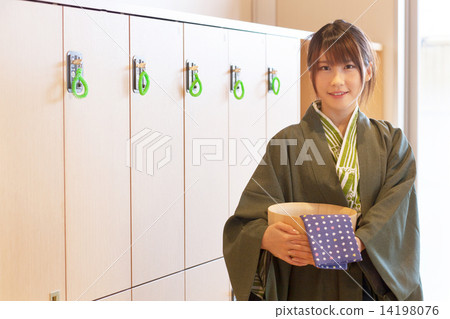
(289, 213)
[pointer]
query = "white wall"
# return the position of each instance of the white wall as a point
(379, 22)
(433, 171)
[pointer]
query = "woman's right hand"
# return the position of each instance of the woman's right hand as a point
(286, 243)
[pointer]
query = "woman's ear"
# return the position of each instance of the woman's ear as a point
(368, 73)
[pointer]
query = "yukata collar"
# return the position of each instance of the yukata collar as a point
(317, 105)
(344, 151)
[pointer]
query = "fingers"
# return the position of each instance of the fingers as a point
(306, 254)
(300, 241)
(297, 251)
(286, 228)
(361, 245)
(294, 261)
(301, 255)
(303, 258)
(287, 244)
(299, 261)
(291, 234)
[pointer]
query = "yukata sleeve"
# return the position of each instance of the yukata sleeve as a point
(390, 228)
(244, 230)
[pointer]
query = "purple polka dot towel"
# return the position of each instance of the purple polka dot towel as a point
(332, 240)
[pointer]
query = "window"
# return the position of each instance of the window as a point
(433, 145)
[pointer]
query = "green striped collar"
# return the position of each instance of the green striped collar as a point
(345, 155)
(333, 134)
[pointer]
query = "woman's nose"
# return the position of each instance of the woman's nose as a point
(338, 78)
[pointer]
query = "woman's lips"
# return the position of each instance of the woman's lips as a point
(338, 94)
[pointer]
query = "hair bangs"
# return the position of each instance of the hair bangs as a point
(340, 51)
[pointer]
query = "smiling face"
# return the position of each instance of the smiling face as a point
(338, 85)
(345, 75)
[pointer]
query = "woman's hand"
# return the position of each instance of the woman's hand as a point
(285, 242)
(361, 245)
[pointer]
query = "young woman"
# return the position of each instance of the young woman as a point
(364, 164)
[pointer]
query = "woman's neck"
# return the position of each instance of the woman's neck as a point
(339, 118)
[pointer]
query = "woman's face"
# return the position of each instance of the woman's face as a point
(338, 86)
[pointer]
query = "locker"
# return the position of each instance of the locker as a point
(208, 282)
(206, 133)
(97, 177)
(283, 54)
(121, 296)
(247, 118)
(157, 191)
(31, 152)
(170, 288)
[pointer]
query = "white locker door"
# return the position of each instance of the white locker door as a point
(206, 122)
(121, 296)
(208, 282)
(97, 176)
(31, 152)
(170, 288)
(283, 55)
(157, 164)
(247, 116)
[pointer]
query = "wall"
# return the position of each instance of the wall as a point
(433, 173)
(229, 9)
(377, 18)
(264, 11)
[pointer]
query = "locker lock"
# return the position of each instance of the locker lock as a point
(235, 83)
(271, 81)
(75, 80)
(193, 82)
(141, 81)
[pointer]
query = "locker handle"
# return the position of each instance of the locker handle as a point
(143, 89)
(235, 83)
(139, 85)
(236, 86)
(275, 78)
(79, 77)
(194, 84)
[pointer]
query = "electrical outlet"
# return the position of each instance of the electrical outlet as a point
(54, 296)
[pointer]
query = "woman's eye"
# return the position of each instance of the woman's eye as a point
(350, 66)
(324, 67)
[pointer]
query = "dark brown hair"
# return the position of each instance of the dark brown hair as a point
(341, 42)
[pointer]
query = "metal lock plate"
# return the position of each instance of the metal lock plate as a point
(234, 76)
(271, 72)
(74, 62)
(191, 69)
(138, 67)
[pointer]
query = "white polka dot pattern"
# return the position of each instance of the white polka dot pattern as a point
(336, 229)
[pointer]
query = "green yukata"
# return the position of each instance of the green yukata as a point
(306, 172)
